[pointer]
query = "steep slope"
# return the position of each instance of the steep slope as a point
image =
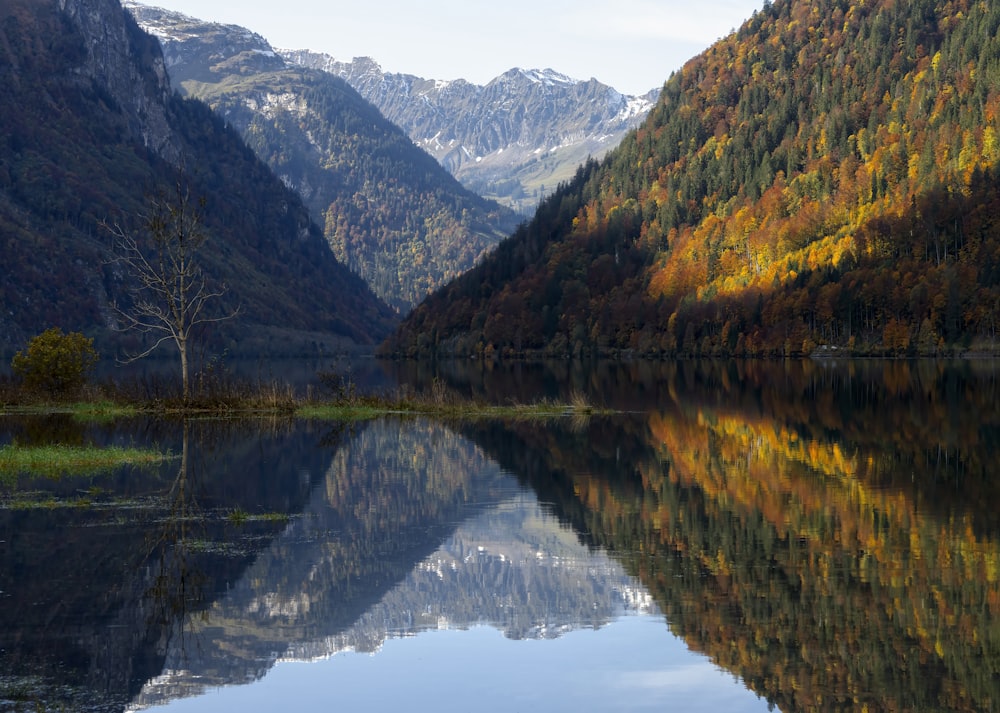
(91, 129)
(825, 176)
(513, 139)
(389, 211)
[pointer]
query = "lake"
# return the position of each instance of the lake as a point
(738, 536)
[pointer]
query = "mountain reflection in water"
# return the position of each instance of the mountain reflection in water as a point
(830, 533)
(413, 529)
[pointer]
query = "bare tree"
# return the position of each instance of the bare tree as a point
(171, 291)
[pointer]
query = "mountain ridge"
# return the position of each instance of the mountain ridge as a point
(510, 139)
(388, 210)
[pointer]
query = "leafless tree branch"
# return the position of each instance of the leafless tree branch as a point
(171, 290)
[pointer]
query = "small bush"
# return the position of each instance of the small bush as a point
(55, 363)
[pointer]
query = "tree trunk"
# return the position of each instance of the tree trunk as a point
(182, 348)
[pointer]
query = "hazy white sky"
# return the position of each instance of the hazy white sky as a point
(633, 45)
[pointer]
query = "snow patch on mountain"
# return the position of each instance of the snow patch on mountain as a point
(549, 77)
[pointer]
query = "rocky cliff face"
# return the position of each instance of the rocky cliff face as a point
(510, 139)
(205, 51)
(126, 63)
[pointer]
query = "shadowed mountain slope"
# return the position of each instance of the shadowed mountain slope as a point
(91, 130)
(388, 210)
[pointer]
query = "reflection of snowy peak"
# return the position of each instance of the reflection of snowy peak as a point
(524, 129)
(413, 529)
(513, 568)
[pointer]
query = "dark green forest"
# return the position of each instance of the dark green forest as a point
(826, 176)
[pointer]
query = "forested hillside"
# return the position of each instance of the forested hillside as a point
(91, 130)
(825, 176)
(388, 209)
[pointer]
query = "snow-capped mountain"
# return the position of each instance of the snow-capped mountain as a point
(212, 48)
(512, 139)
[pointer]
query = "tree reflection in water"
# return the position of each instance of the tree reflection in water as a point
(178, 585)
(830, 534)
(96, 574)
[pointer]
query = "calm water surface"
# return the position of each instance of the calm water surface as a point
(797, 536)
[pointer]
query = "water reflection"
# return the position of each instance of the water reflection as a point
(828, 534)
(97, 572)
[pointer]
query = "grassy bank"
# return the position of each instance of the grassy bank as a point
(353, 410)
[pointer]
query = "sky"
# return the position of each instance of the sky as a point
(631, 45)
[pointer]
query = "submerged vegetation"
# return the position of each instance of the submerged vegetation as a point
(56, 460)
(239, 517)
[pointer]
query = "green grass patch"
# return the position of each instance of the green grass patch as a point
(57, 460)
(276, 517)
(102, 411)
(238, 516)
(85, 411)
(344, 404)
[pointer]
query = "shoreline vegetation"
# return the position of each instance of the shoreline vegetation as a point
(335, 398)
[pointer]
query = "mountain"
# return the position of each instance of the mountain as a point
(823, 179)
(92, 128)
(513, 139)
(389, 211)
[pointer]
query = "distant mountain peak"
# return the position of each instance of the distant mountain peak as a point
(174, 29)
(547, 77)
(511, 139)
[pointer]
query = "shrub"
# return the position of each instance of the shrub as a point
(56, 363)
